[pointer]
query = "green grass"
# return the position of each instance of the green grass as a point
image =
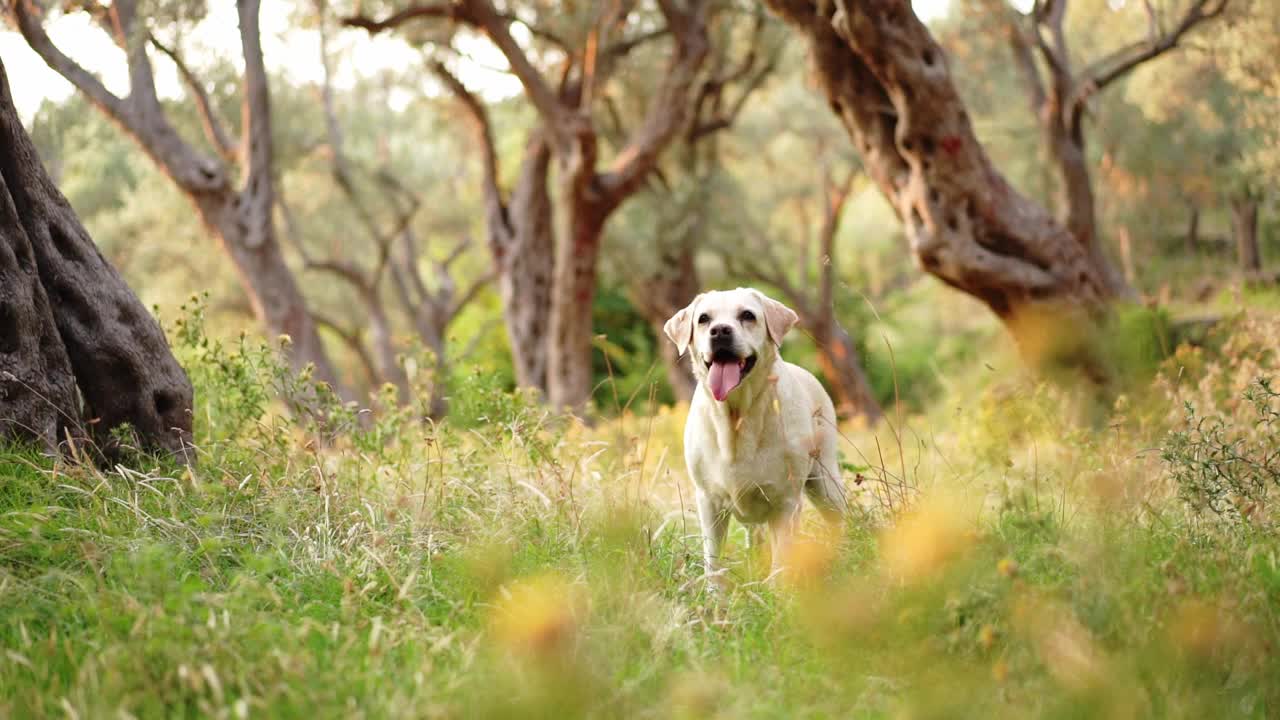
(521, 568)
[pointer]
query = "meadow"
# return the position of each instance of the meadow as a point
(1015, 552)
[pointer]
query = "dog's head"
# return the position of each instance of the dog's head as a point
(732, 332)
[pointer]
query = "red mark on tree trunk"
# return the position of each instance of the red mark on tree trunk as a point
(951, 144)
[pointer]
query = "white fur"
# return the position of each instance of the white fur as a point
(771, 440)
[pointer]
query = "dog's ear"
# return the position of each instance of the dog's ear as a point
(778, 318)
(680, 327)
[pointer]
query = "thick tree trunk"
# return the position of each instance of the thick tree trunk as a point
(38, 399)
(1244, 223)
(100, 333)
(842, 369)
(523, 244)
(888, 81)
(572, 297)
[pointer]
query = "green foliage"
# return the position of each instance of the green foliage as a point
(1136, 340)
(626, 357)
(1220, 469)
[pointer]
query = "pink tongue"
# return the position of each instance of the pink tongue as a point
(723, 378)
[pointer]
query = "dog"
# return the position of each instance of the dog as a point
(761, 432)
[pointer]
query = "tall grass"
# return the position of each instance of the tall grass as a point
(1002, 562)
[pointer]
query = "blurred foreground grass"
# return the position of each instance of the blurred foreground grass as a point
(1005, 562)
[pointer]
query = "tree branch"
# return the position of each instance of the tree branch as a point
(28, 16)
(344, 270)
(351, 339)
(668, 110)
(256, 106)
(495, 205)
(1026, 61)
(455, 11)
(341, 167)
(622, 48)
(122, 23)
(213, 128)
(140, 115)
(450, 10)
(724, 119)
(468, 295)
(1116, 66)
(559, 119)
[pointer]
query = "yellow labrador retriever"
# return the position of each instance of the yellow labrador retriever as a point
(761, 432)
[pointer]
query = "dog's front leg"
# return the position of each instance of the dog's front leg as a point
(715, 522)
(758, 544)
(782, 529)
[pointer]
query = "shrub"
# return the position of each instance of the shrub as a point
(1229, 466)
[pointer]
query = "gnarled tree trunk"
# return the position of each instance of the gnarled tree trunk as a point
(888, 81)
(525, 259)
(37, 388)
(572, 297)
(68, 320)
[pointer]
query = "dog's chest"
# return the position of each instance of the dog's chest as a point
(752, 474)
(758, 489)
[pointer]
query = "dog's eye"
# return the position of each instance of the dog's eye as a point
(747, 316)
(703, 319)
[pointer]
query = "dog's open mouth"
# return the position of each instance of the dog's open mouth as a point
(725, 371)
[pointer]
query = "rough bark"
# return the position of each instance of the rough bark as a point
(889, 83)
(524, 256)
(240, 218)
(1244, 224)
(38, 401)
(68, 320)
(573, 292)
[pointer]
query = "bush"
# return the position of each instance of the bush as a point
(1229, 466)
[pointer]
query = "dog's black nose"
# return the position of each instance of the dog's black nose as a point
(721, 331)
